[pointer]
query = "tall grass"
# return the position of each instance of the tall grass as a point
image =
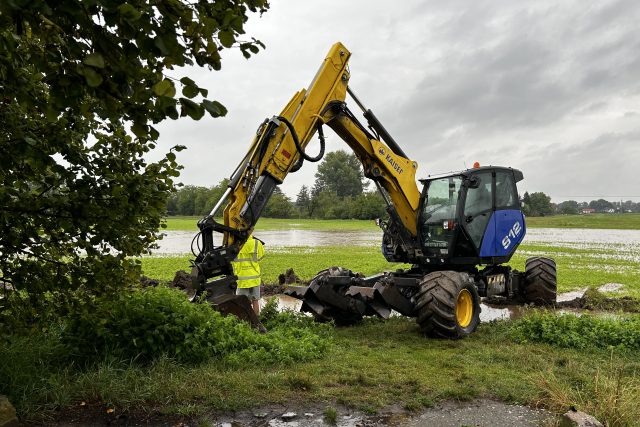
(612, 395)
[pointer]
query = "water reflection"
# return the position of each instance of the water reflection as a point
(179, 242)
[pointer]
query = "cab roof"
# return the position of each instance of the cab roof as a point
(517, 174)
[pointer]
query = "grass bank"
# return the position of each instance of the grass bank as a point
(628, 221)
(371, 365)
(577, 268)
(622, 221)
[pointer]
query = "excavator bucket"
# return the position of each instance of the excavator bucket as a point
(340, 295)
(221, 294)
(236, 305)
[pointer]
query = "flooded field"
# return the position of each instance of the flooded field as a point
(625, 241)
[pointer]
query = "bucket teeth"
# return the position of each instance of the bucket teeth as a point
(333, 298)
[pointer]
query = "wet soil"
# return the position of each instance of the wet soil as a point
(492, 309)
(478, 412)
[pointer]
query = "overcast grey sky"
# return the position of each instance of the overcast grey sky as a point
(548, 87)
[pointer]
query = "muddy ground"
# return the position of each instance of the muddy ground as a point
(492, 308)
(478, 412)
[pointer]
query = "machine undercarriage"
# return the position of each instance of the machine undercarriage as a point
(445, 302)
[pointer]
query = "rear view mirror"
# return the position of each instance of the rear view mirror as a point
(473, 182)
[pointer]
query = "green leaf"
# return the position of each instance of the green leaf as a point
(164, 88)
(226, 38)
(140, 130)
(153, 133)
(187, 81)
(191, 109)
(214, 108)
(94, 79)
(95, 60)
(190, 91)
(129, 12)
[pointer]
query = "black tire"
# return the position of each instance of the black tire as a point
(540, 281)
(438, 301)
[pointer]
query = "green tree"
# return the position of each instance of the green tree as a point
(569, 207)
(539, 204)
(526, 203)
(303, 201)
(369, 205)
(600, 205)
(278, 206)
(341, 173)
(82, 84)
(195, 200)
(324, 204)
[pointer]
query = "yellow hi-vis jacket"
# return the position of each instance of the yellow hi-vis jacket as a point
(246, 265)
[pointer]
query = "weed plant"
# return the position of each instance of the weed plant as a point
(579, 332)
(143, 324)
(100, 351)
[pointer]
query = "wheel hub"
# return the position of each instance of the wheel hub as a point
(464, 308)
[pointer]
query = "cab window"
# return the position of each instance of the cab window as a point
(439, 214)
(479, 199)
(506, 192)
(478, 206)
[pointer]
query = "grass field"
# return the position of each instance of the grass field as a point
(577, 268)
(626, 221)
(606, 221)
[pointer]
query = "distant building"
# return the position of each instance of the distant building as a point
(588, 210)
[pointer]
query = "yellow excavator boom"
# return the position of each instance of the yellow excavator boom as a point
(279, 149)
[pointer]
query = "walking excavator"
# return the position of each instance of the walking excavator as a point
(458, 232)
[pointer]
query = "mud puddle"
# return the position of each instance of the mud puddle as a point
(570, 296)
(569, 302)
(479, 412)
(489, 312)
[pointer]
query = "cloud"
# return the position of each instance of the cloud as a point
(551, 88)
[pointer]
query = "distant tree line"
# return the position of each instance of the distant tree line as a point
(539, 204)
(339, 192)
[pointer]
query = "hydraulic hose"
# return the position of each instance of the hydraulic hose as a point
(296, 141)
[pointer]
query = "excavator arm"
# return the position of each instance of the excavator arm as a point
(279, 149)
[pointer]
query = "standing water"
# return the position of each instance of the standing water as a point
(488, 313)
(179, 242)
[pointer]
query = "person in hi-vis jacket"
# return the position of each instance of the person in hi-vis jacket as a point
(247, 267)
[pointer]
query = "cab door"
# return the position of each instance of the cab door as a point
(506, 228)
(478, 207)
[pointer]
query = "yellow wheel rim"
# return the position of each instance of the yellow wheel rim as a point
(464, 308)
